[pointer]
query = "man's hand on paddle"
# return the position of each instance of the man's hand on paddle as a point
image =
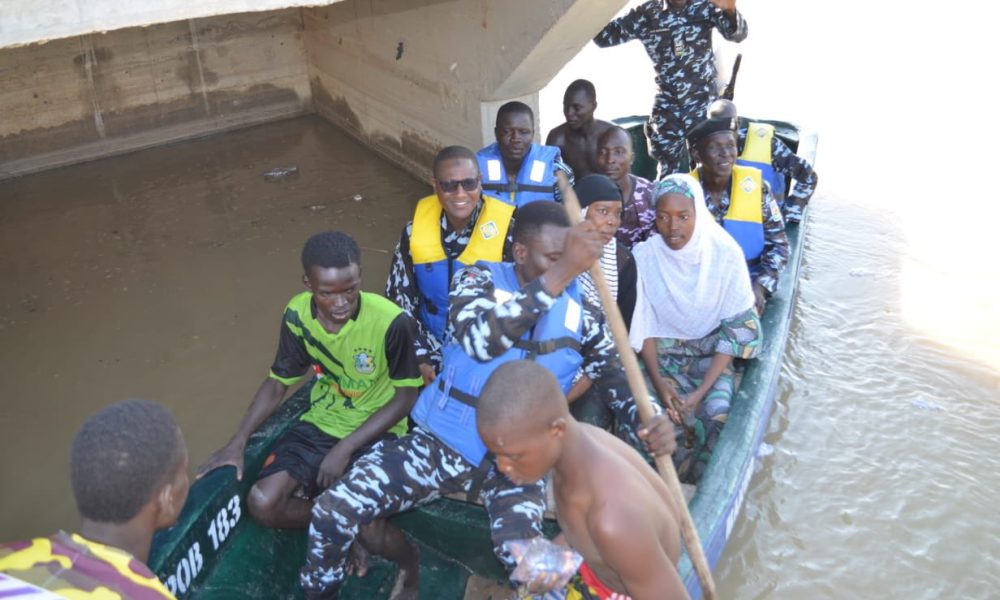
(659, 436)
(230, 454)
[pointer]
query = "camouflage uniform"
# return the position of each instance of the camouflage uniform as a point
(401, 286)
(401, 474)
(72, 566)
(789, 164)
(679, 42)
(638, 213)
(775, 254)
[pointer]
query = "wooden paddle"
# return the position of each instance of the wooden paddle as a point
(641, 395)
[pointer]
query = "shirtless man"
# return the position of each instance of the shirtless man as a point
(577, 137)
(612, 507)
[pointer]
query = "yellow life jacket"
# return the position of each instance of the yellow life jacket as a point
(433, 269)
(745, 219)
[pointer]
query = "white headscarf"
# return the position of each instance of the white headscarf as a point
(685, 294)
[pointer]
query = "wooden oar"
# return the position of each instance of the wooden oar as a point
(641, 396)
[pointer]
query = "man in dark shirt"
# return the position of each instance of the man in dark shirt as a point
(677, 35)
(614, 157)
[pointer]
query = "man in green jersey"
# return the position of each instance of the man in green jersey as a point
(360, 347)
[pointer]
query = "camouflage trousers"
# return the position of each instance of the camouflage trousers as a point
(397, 475)
(669, 122)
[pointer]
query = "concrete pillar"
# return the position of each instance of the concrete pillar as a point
(408, 77)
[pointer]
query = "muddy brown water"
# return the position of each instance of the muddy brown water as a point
(163, 274)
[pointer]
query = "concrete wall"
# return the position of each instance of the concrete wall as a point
(99, 94)
(405, 77)
(408, 77)
(30, 21)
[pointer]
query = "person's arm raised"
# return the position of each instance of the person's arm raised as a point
(267, 398)
(581, 250)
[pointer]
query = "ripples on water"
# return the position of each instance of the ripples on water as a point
(887, 460)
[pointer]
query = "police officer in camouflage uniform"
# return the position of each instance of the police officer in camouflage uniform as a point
(781, 162)
(677, 35)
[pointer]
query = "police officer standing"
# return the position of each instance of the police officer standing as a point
(677, 35)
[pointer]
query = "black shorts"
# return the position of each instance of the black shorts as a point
(300, 452)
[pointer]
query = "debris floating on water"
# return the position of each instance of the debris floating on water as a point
(765, 450)
(279, 173)
(318, 207)
(358, 198)
(927, 405)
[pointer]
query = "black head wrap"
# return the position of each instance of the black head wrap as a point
(596, 188)
(709, 127)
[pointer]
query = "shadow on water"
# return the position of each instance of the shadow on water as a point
(163, 274)
(880, 439)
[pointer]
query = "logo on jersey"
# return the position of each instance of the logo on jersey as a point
(364, 361)
(748, 184)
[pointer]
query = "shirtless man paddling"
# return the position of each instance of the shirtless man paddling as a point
(612, 507)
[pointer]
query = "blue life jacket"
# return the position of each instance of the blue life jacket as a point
(757, 153)
(433, 269)
(535, 181)
(745, 220)
(447, 407)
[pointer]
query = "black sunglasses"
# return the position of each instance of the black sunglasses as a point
(450, 187)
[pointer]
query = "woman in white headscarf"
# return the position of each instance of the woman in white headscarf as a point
(694, 313)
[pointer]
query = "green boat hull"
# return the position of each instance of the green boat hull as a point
(217, 551)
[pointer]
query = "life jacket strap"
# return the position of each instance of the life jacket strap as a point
(514, 187)
(479, 477)
(535, 348)
(464, 398)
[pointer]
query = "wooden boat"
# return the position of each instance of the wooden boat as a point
(216, 551)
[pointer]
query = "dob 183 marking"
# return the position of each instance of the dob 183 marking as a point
(191, 564)
(224, 522)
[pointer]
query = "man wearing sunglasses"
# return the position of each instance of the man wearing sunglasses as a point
(454, 227)
(514, 168)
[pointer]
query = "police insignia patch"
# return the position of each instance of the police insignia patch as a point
(748, 184)
(364, 362)
(489, 230)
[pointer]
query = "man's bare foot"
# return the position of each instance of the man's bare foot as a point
(406, 586)
(357, 560)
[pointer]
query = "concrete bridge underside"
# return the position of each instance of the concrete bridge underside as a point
(405, 77)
